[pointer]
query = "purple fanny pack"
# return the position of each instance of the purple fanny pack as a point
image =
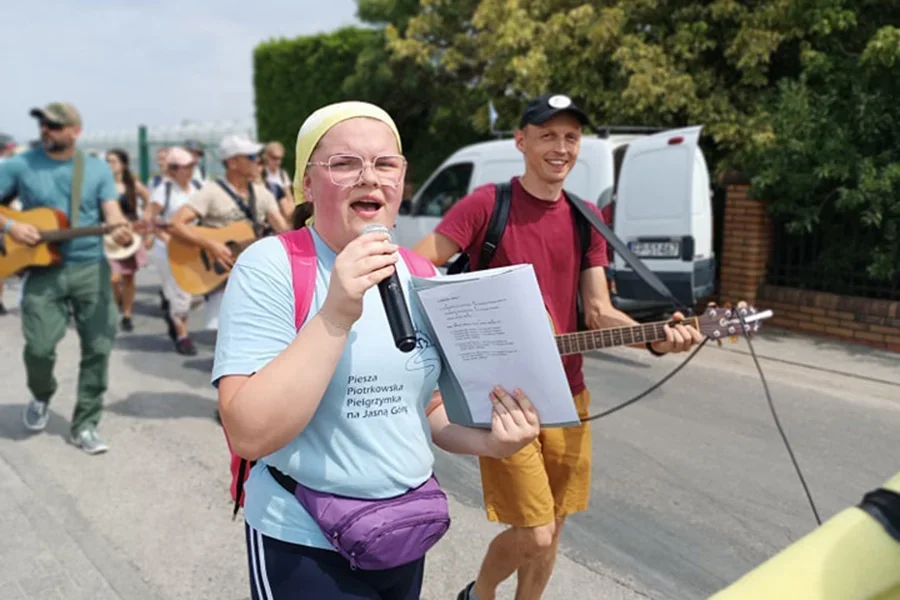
(376, 534)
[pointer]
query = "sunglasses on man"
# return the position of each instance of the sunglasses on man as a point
(52, 126)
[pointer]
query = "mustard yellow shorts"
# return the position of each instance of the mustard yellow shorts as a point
(549, 478)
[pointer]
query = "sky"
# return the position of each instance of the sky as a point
(156, 62)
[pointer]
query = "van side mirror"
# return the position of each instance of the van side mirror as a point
(405, 207)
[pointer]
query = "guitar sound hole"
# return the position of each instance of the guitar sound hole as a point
(205, 259)
(235, 250)
(2, 246)
(216, 266)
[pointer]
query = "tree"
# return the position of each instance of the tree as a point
(427, 113)
(428, 105)
(292, 78)
(766, 78)
(833, 165)
(646, 62)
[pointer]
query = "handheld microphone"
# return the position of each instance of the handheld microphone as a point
(395, 303)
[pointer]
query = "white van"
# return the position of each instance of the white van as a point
(659, 185)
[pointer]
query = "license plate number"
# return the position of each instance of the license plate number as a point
(656, 249)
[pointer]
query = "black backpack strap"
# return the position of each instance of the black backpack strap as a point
(619, 246)
(582, 227)
(497, 225)
(584, 237)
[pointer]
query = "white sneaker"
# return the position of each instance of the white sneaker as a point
(36, 415)
(88, 440)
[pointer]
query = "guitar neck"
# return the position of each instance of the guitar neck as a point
(586, 341)
(64, 235)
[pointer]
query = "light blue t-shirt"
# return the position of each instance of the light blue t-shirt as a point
(39, 180)
(369, 437)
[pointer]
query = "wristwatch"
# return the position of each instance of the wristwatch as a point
(8, 225)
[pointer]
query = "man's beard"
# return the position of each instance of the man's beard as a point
(52, 146)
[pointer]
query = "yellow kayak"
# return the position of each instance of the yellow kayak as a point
(852, 556)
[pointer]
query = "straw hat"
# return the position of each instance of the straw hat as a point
(116, 252)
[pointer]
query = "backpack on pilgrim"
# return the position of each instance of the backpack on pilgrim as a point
(302, 255)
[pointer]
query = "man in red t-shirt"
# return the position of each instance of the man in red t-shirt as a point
(535, 489)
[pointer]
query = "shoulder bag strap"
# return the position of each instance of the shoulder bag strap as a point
(77, 183)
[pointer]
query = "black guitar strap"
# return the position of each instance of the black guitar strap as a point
(249, 211)
(648, 276)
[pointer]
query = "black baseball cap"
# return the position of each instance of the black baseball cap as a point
(543, 108)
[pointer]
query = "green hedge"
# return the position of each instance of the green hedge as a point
(293, 78)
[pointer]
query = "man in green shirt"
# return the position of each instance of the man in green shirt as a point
(43, 177)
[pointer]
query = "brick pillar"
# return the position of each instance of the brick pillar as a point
(746, 246)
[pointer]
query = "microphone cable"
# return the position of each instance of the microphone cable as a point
(646, 392)
(739, 312)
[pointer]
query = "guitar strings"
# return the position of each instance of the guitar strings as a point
(768, 394)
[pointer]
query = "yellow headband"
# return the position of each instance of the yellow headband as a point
(318, 124)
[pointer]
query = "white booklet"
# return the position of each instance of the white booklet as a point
(491, 328)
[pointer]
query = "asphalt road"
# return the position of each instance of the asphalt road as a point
(692, 486)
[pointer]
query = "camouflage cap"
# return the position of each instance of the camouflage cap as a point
(61, 113)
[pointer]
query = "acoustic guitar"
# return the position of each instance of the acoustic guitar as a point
(194, 269)
(716, 323)
(54, 227)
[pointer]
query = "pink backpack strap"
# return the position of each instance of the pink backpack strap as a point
(301, 251)
(417, 264)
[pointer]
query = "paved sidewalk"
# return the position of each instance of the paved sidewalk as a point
(39, 558)
(841, 358)
(151, 520)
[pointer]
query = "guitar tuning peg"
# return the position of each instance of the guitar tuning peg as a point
(742, 304)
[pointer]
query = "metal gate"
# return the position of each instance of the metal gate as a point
(142, 143)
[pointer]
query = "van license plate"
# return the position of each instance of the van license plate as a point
(656, 249)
